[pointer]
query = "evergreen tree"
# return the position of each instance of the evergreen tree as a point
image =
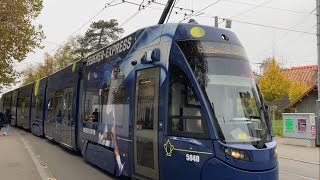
(100, 34)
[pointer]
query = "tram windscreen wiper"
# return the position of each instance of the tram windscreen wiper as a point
(264, 137)
(262, 141)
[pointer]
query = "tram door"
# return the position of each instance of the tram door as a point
(67, 116)
(146, 122)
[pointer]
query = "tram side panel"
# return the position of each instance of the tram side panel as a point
(62, 96)
(106, 107)
(109, 104)
(7, 102)
(38, 107)
(14, 107)
(24, 106)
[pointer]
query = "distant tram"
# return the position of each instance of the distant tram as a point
(170, 101)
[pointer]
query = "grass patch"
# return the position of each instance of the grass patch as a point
(277, 128)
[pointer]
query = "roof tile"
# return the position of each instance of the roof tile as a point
(303, 74)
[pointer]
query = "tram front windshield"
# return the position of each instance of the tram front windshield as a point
(225, 76)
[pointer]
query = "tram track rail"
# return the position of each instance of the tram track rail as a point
(298, 175)
(298, 160)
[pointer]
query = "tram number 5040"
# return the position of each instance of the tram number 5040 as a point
(191, 157)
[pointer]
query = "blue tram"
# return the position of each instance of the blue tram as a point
(171, 101)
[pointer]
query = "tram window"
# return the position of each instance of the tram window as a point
(50, 107)
(105, 94)
(23, 106)
(38, 107)
(145, 103)
(57, 104)
(91, 105)
(185, 116)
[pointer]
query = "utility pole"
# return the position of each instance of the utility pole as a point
(318, 80)
(216, 21)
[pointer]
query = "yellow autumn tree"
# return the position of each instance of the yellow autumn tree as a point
(296, 89)
(38, 71)
(273, 84)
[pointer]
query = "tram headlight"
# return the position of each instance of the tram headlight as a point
(275, 153)
(237, 154)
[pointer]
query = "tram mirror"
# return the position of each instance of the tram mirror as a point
(155, 55)
(151, 56)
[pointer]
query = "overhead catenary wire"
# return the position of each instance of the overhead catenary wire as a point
(261, 25)
(141, 4)
(200, 11)
(136, 13)
(150, 7)
(106, 6)
(300, 22)
(248, 10)
(269, 7)
(131, 17)
(181, 8)
(192, 14)
(273, 27)
(292, 43)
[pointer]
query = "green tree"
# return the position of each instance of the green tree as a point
(296, 89)
(100, 34)
(18, 36)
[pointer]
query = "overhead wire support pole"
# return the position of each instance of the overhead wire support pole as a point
(318, 79)
(165, 12)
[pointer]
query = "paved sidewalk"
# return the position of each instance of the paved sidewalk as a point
(15, 161)
(298, 152)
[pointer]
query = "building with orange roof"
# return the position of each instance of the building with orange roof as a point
(306, 102)
(304, 74)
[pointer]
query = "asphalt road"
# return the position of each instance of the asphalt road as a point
(61, 163)
(295, 163)
(295, 170)
(298, 163)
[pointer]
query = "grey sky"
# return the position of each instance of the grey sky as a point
(61, 18)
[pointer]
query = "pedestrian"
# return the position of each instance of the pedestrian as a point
(6, 122)
(1, 120)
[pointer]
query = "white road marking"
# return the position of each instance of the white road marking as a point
(308, 162)
(36, 162)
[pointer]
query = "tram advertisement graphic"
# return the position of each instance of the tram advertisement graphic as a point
(112, 112)
(121, 47)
